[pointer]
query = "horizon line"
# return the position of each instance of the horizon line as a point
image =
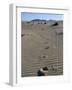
(42, 19)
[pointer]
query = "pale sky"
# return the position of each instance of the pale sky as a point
(26, 16)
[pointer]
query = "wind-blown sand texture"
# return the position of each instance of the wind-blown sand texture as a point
(42, 46)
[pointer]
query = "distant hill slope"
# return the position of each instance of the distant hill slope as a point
(39, 21)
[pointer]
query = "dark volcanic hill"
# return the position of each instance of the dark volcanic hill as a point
(38, 20)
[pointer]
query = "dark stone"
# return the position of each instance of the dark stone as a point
(44, 56)
(47, 47)
(28, 22)
(22, 35)
(45, 68)
(44, 22)
(40, 73)
(55, 24)
(61, 33)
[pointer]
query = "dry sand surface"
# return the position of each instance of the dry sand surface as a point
(42, 46)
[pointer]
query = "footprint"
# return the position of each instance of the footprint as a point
(47, 47)
(22, 35)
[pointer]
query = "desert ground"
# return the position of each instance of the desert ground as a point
(41, 46)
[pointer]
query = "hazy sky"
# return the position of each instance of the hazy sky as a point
(26, 16)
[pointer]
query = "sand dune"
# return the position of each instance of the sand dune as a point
(42, 45)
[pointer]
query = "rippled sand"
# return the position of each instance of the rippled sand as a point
(42, 45)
